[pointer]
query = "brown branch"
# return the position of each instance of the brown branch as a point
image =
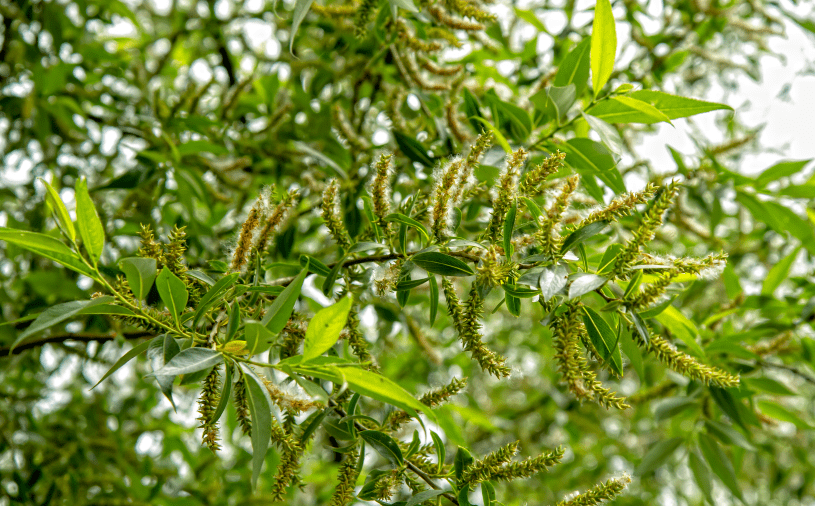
(82, 337)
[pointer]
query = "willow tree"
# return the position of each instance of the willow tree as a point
(397, 252)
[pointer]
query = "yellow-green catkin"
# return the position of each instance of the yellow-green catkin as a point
(347, 479)
(381, 189)
(242, 406)
(651, 221)
(505, 194)
(527, 467)
(346, 129)
(686, 365)
(441, 198)
(356, 339)
(466, 178)
(335, 11)
(174, 251)
(494, 270)
(548, 236)
(532, 182)
(246, 236)
(443, 17)
(621, 206)
(332, 215)
(433, 398)
(471, 337)
(483, 469)
(207, 404)
(286, 474)
(273, 220)
(362, 19)
(600, 493)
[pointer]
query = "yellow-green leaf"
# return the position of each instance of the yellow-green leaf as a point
(603, 45)
(88, 222)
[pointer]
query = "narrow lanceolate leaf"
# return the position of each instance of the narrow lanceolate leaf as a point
(603, 45)
(214, 295)
(574, 69)
(368, 384)
(702, 475)
(280, 311)
(324, 329)
(173, 292)
(581, 234)
(434, 298)
(48, 247)
(260, 409)
(672, 106)
(190, 360)
(328, 284)
(162, 349)
(90, 226)
(127, 357)
(509, 225)
(226, 392)
(642, 329)
(384, 445)
(645, 108)
(603, 338)
(440, 263)
(412, 148)
(462, 461)
(779, 273)
(140, 274)
(410, 222)
(60, 211)
(608, 133)
(57, 314)
(584, 283)
(423, 496)
(441, 450)
(657, 455)
(301, 8)
(720, 464)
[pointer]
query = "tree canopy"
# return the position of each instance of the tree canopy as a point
(397, 252)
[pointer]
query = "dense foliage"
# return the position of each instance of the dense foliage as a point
(397, 252)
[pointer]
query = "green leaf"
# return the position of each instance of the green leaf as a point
(461, 462)
(768, 385)
(472, 109)
(48, 247)
(780, 170)
(552, 280)
(513, 304)
(314, 265)
(603, 45)
(509, 226)
(258, 338)
(190, 360)
(642, 329)
(728, 435)
(779, 273)
(408, 5)
(140, 274)
(384, 445)
(280, 311)
(520, 292)
(87, 220)
(325, 327)
(554, 101)
(127, 357)
(677, 107)
(775, 410)
(584, 282)
(440, 263)
(581, 234)
(57, 314)
(405, 220)
(434, 298)
(213, 295)
(162, 349)
(657, 456)
(260, 409)
(328, 284)
(412, 148)
(679, 325)
(369, 384)
(702, 474)
(720, 464)
(653, 114)
(226, 392)
(60, 211)
(173, 292)
(632, 351)
(423, 496)
(441, 450)
(301, 8)
(488, 494)
(574, 69)
(603, 338)
(410, 284)
(672, 406)
(591, 157)
(608, 133)
(499, 137)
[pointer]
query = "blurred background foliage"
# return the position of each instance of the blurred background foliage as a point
(179, 112)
